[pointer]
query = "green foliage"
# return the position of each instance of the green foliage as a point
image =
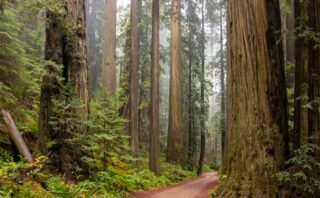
(106, 139)
(22, 46)
(303, 174)
(23, 180)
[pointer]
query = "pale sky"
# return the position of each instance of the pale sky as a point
(123, 2)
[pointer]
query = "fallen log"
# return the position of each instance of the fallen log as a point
(3, 129)
(16, 136)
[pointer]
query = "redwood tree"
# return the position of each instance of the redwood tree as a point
(202, 99)
(65, 45)
(174, 147)
(134, 84)
(307, 87)
(154, 155)
(256, 96)
(109, 82)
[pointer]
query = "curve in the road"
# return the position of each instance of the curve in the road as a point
(196, 188)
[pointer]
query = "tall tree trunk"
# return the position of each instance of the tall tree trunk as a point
(257, 106)
(222, 85)
(109, 71)
(314, 62)
(75, 56)
(191, 136)
(51, 88)
(174, 147)
(65, 45)
(134, 84)
(306, 117)
(203, 116)
(154, 161)
(289, 53)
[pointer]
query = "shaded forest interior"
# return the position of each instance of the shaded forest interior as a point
(104, 98)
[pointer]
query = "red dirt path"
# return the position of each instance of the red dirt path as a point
(196, 188)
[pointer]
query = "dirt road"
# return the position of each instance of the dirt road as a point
(195, 188)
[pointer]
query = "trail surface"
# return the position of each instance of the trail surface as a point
(196, 188)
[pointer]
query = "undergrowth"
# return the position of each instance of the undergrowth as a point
(20, 180)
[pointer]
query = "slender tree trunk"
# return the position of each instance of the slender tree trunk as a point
(257, 102)
(154, 161)
(134, 84)
(190, 157)
(314, 62)
(306, 117)
(203, 116)
(222, 84)
(289, 53)
(109, 72)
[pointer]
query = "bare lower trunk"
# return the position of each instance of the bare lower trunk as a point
(307, 89)
(202, 119)
(109, 82)
(174, 147)
(256, 114)
(154, 161)
(134, 84)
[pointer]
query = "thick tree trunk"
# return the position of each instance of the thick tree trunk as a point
(109, 81)
(134, 84)
(203, 116)
(65, 45)
(257, 107)
(174, 147)
(154, 161)
(51, 88)
(75, 56)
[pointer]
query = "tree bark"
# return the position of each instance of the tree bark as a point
(109, 81)
(203, 116)
(75, 57)
(134, 84)
(222, 85)
(65, 45)
(51, 88)
(174, 147)
(154, 161)
(16, 136)
(257, 102)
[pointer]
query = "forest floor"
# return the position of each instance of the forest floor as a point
(198, 187)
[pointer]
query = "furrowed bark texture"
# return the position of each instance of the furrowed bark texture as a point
(174, 147)
(134, 84)
(109, 81)
(256, 93)
(65, 46)
(75, 56)
(307, 89)
(154, 161)
(50, 87)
